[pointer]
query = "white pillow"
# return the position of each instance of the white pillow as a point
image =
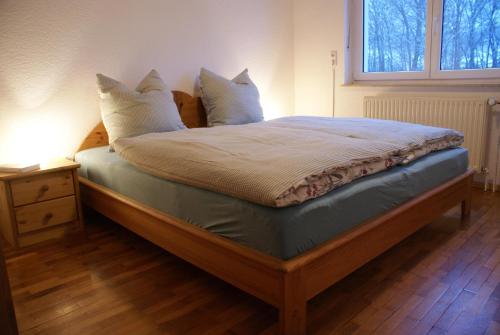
(148, 109)
(230, 101)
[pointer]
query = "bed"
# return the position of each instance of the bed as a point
(295, 261)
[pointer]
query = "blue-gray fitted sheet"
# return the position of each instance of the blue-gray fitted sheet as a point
(280, 232)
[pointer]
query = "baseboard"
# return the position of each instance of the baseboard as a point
(480, 185)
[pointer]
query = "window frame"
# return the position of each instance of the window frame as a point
(432, 59)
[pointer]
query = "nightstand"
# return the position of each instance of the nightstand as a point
(40, 205)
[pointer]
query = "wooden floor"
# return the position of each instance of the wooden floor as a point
(445, 279)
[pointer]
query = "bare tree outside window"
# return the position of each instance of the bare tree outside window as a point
(471, 34)
(395, 35)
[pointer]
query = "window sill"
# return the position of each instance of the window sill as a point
(426, 83)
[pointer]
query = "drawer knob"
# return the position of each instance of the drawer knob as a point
(47, 218)
(43, 190)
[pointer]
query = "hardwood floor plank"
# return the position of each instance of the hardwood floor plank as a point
(493, 328)
(478, 279)
(445, 279)
(429, 300)
(453, 311)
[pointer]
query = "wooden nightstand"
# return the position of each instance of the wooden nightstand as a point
(40, 205)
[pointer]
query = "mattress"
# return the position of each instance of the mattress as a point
(280, 232)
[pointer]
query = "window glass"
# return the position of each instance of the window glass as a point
(394, 36)
(471, 34)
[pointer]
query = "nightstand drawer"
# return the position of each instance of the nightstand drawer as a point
(40, 188)
(46, 214)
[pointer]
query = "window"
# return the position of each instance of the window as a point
(425, 39)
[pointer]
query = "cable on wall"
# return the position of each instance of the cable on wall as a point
(333, 56)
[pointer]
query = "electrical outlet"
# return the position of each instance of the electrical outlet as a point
(333, 55)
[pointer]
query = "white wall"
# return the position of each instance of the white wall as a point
(51, 50)
(318, 29)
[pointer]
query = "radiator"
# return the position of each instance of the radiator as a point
(468, 115)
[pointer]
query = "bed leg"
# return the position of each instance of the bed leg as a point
(466, 203)
(293, 309)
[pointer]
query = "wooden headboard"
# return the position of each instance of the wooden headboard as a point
(190, 108)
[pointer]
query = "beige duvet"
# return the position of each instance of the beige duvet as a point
(285, 161)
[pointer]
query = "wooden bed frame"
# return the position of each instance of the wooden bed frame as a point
(287, 285)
